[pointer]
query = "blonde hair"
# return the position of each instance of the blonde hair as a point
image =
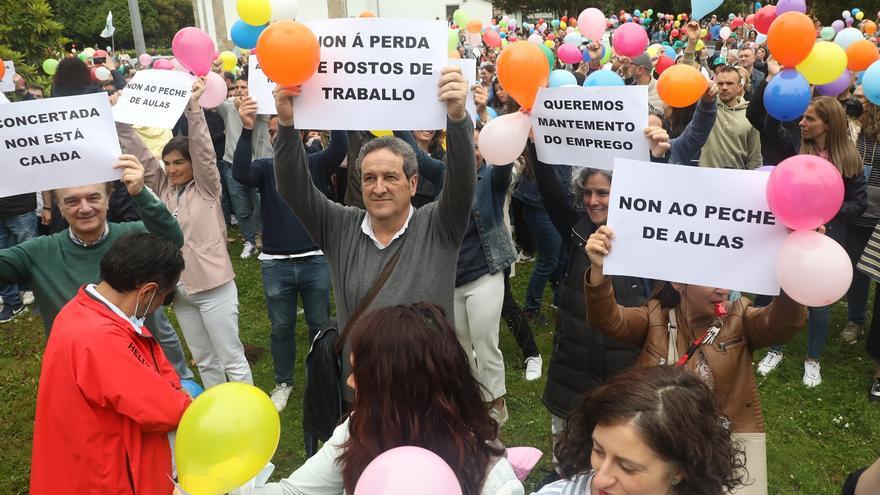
(841, 150)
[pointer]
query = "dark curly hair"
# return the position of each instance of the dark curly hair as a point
(677, 417)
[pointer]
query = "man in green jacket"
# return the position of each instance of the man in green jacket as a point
(56, 266)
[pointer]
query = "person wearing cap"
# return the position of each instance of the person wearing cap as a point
(641, 69)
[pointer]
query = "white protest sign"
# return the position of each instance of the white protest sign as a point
(591, 126)
(154, 98)
(375, 74)
(703, 226)
(469, 70)
(57, 142)
(260, 88)
(7, 84)
(3, 98)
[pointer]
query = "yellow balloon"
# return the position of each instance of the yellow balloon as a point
(382, 133)
(562, 25)
(676, 24)
(254, 12)
(703, 33)
(860, 15)
(226, 436)
(700, 45)
(229, 60)
(825, 63)
(654, 49)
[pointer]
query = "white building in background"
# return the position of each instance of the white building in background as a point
(216, 17)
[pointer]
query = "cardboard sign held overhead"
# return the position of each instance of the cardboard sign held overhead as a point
(57, 142)
(591, 126)
(154, 98)
(702, 226)
(375, 74)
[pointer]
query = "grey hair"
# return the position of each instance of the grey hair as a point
(395, 145)
(579, 179)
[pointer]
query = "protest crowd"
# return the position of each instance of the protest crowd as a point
(400, 246)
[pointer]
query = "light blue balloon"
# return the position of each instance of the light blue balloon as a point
(788, 95)
(637, 13)
(574, 38)
(700, 8)
(871, 83)
(848, 36)
(561, 77)
(603, 78)
(244, 35)
(670, 52)
(492, 113)
(192, 388)
(855, 11)
(761, 39)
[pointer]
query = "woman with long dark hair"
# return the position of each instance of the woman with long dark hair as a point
(413, 386)
(626, 437)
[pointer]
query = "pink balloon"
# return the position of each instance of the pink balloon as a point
(804, 192)
(215, 91)
(163, 64)
(523, 459)
(813, 269)
(178, 66)
(503, 139)
(145, 59)
(630, 40)
(405, 471)
(569, 54)
(491, 38)
(592, 23)
(194, 49)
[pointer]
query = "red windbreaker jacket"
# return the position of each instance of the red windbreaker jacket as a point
(107, 399)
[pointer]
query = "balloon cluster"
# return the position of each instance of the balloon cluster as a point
(255, 16)
(805, 192)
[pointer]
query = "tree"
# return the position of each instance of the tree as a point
(28, 35)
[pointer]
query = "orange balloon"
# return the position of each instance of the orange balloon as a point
(454, 54)
(2, 69)
(860, 55)
(522, 70)
(288, 52)
(474, 26)
(791, 38)
(366, 13)
(681, 86)
(869, 27)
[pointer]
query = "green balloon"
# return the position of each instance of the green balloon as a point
(551, 59)
(453, 39)
(827, 33)
(83, 57)
(461, 18)
(607, 56)
(50, 65)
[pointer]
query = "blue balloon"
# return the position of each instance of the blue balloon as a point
(871, 83)
(503, 35)
(757, 5)
(670, 52)
(244, 35)
(788, 95)
(561, 77)
(637, 13)
(603, 78)
(855, 11)
(192, 388)
(492, 113)
(574, 38)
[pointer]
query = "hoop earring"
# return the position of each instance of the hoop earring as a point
(675, 482)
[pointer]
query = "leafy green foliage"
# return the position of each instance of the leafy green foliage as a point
(29, 34)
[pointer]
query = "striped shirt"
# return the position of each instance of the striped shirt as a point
(869, 151)
(579, 485)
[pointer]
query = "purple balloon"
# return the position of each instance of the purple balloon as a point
(849, 21)
(791, 6)
(836, 86)
(838, 25)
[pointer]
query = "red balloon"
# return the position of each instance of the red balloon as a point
(675, 33)
(564, 19)
(764, 17)
(737, 22)
(750, 19)
(663, 63)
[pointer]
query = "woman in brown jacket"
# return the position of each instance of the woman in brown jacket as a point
(677, 316)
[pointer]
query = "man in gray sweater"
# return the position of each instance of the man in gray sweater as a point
(357, 243)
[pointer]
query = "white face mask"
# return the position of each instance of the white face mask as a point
(138, 322)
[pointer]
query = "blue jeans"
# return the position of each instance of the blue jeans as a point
(13, 231)
(225, 201)
(283, 280)
(548, 243)
(817, 331)
(857, 237)
(245, 205)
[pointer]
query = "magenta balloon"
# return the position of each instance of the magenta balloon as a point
(790, 6)
(407, 470)
(813, 269)
(215, 91)
(194, 49)
(804, 192)
(569, 53)
(836, 86)
(630, 40)
(163, 64)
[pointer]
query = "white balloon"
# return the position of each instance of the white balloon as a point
(536, 39)
(724, 33)
(847, 37)
(813, 269)
(103, 74)
(284, 9)
(503, 139)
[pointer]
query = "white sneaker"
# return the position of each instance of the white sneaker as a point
(769, 363)
(812, 373)
(280, 395)
(533, 368)
(248, 251)
(27, 297)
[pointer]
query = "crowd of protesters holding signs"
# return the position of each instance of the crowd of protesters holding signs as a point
(745, 204)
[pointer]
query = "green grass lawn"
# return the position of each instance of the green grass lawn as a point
(815, 437)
